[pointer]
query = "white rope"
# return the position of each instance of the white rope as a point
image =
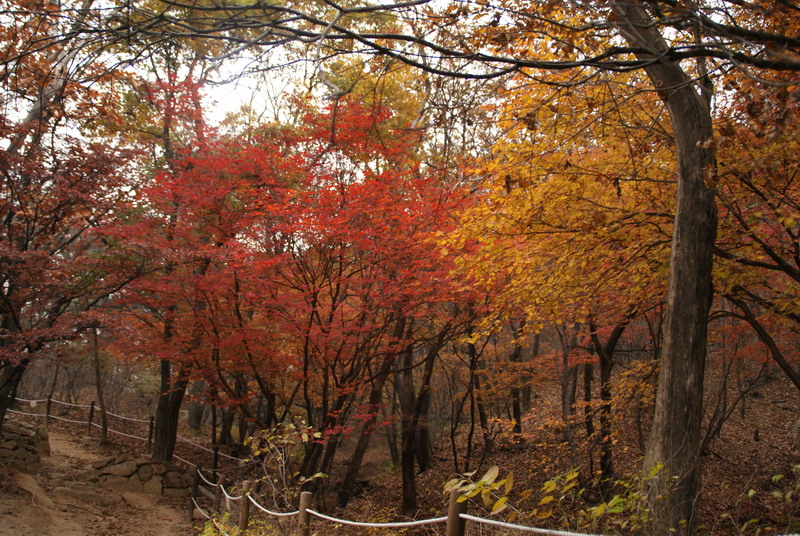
(187, 462)
(270, 512)
(31, 401)
(207, 481)
(202, 447)
(66, 420)
(26, 413)
(140, 438)
(111, 430)
(200, 509)
(70, 404)
(231, 457)
(43, 415)
(399, 524)
(523, 528)
(127, 418)
(229, 497)
(195, 444)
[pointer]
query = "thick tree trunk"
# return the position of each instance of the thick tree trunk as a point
(10, 376)
(423, 430)
(168, 412)
(675, 437)
(411, 446)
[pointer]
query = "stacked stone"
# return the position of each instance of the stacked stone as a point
(155, 478)
(22, 446)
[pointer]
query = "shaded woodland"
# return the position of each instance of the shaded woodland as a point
(556, 239)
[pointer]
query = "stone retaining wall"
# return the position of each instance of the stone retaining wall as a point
(22, 446)
(156, 478)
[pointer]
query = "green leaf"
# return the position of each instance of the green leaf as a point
(751, 493)
(615, 505)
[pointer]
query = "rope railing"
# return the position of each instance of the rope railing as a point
(202, 512)
(202, 447)
(56, 417)
(455, 520)
(117, 432)
(33, 402)
(123, 417)
(90, 424)
(270, 512)
(390, 525)
(68, 403)
(229, 496)
(207, 481)
(522, 528)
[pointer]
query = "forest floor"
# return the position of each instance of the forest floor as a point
(743, 490)
(750, 481)
(60, 501)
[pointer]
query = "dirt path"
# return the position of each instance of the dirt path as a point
(60, 501)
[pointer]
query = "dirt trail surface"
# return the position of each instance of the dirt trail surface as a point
(60, 501)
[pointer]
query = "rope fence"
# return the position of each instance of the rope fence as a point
(130, 430)
(455, 520)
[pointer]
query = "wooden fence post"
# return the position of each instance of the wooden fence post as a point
(455, 525)
(193, 493)
(244, 511)
(150, 433)
(216, 461)
(47, 411)
(218, 492)
(89, 420)
(303, 519)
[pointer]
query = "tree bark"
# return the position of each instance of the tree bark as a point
(675, 437)
(168, 412)
(410, 447)
(98, 382)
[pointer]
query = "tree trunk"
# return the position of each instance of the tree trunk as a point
(407, 450)
(411, 446)
(10, 376)
(675, 436)
(98, 382)
(423, 430)
(516, 391)
(168, 412)
(194, 415)
(527, 391)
